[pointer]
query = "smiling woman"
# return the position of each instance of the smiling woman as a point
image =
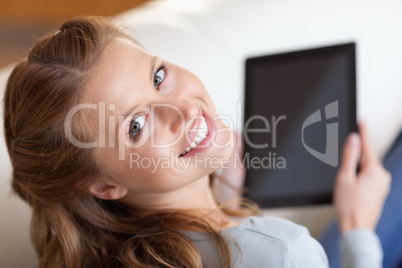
(170, 114)
(92, 207)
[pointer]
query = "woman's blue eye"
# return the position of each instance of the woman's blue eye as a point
(158, 78)
(136, 125)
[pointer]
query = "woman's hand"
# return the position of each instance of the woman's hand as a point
(359, 198)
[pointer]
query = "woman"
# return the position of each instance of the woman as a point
(115, 150)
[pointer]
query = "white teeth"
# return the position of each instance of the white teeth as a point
(197, 139)
(202, 135)
(202, 132)
(203, 123)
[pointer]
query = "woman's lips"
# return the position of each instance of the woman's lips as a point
(204, 144)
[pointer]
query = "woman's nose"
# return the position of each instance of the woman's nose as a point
(175, 114)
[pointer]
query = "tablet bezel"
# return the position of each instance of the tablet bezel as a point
(348, 49)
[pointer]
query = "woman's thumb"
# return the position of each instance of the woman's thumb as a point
(351, 155)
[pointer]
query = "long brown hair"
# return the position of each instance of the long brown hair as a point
(71, 228)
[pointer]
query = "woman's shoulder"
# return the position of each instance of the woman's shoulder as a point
(283, 242)
(267, 228)
(279, 229)
(271, 241)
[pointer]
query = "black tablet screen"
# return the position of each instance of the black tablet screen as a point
(299, 109)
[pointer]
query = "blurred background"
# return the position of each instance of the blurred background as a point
(213, 38)
(23, 20)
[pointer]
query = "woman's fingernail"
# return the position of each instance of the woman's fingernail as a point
(354, 139)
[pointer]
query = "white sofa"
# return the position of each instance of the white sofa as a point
(212, 38)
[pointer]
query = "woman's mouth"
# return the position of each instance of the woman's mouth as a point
(202, 133)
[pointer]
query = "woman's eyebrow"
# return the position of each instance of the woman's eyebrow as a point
(130, 111)
(153, 63)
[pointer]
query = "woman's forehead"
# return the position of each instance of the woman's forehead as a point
(123, 47)
(123, 67)
(121, 80)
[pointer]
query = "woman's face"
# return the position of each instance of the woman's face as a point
(148, 113)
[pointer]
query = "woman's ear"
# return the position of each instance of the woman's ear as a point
(107, 191)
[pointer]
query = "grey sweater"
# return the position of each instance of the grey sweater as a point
(273, 242)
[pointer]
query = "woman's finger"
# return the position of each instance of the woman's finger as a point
(350, 156)
(369, 156)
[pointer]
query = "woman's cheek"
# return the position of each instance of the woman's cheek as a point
(223, 138)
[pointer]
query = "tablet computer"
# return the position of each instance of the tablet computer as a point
(299, 108)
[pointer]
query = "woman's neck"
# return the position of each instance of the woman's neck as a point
(196, 197)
